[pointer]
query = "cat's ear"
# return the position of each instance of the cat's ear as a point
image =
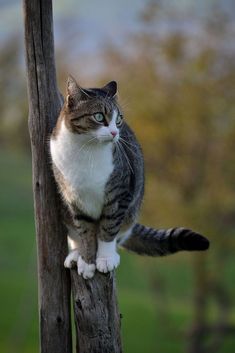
(74, 92)
(72, 86)
(110, 89)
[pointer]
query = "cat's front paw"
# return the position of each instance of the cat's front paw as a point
(107, 263)
(84, 269)
(72, 259)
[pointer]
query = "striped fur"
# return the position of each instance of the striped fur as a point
(152, 242)
(103, 196)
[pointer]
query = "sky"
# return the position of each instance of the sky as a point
(98, 21)
(94, 19)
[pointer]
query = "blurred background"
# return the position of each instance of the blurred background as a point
(175, 65)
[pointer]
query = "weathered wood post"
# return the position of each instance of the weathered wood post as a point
(44, 105)
(96, 314)
(97, 317)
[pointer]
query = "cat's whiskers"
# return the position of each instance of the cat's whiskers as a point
(127, 158)
(86, 143)
(125, 155)
(119, 153)
(121, 138)
(125, 143)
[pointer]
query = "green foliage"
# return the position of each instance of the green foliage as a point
(13, 103)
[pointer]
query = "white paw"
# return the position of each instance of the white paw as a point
(71, 259)
(107, 263)
(84, 269)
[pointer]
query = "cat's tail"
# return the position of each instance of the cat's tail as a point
(159, 242)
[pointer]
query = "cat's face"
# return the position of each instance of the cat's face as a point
(93, 113)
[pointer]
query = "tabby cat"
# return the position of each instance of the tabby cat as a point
(98, 166)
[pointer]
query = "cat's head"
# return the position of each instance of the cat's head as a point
(93, 112)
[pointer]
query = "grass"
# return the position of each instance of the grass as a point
(155, 295)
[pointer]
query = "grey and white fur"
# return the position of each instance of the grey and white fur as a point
(99, 169)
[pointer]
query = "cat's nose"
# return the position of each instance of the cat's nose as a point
(113, 133)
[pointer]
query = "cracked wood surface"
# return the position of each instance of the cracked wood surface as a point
(96, 314)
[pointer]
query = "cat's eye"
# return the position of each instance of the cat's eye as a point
(119, 119)
(99, 117)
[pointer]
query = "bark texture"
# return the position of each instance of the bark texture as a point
(97, 317)
(44, 105)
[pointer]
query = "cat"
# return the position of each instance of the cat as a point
(99, 169)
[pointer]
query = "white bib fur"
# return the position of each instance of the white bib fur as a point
(85, 166)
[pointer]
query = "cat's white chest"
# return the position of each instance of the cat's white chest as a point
(86, 167)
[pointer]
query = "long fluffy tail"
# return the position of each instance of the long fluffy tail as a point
(152, 242)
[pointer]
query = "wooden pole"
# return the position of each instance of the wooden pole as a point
(44, 106)
(97, 319)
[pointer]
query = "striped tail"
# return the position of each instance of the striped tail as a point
(152, 242)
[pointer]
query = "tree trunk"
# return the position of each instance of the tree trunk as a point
(97, 319)
(44, 105)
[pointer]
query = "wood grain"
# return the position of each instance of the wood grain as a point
(97, 317)
(44, 105)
